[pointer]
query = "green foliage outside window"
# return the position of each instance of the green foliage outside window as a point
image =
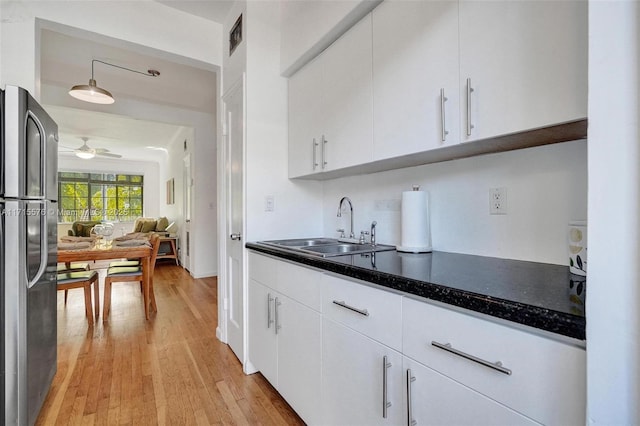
(99, 196)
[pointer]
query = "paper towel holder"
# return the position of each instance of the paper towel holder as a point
(415, 228)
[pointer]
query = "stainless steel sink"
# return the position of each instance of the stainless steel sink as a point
(302, 242)
(327, 247)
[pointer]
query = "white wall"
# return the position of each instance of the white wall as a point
(613, 318)
(297, 204)
(546, 188)
(175, 170)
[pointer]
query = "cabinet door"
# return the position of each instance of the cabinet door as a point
(348, 99)
(353, 379)
(415, 56)
(527, 61)
(437, 400)
(299, 352)
(262, 337)
(305, 120)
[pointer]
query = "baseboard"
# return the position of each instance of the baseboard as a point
(204, 274)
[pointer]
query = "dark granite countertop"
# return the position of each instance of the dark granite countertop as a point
(539, 295)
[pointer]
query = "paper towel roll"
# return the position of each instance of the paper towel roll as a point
(416, 233)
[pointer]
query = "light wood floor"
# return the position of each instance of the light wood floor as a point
(170, 370)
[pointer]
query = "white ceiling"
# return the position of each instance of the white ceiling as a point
(183, 84)
(213, 10)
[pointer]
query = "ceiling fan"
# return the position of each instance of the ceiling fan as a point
(86, 152)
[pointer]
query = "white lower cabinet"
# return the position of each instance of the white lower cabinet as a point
(435, 399)
(542, 378)
(285, 339)
(360, 377)
(299, 349)
(340, 353)
(263, 351)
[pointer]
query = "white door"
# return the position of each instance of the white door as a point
(187, 182)
(263, 351)
(347, 99)
(526, 62)
(354, 379)
(438, 400)
(299, 357)
(233, 104)
(415, 77)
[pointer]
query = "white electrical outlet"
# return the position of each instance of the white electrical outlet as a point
(498, 201)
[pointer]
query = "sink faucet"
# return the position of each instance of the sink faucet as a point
(351, 234)
(373, 232)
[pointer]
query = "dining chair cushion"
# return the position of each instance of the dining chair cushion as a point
(71, 277)
(125, 270)
(121, 263)
(73, 267)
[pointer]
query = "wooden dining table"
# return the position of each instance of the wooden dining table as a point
(106, 250)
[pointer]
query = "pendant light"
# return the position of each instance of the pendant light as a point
(97, 95)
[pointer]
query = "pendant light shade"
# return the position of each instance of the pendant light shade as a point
(91, 93)
(97, 95)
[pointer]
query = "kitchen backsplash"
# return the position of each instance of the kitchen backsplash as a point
(546, 187)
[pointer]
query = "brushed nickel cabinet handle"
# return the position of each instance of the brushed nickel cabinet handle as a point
(443, 123)
(493, 365)
(385, 396)
(410, 419)
(278, 326)
(314, 145)
(269, 320)
(469, 91)
(351, 308)
(324, 152)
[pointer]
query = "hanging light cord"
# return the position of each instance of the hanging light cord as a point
(149, 73)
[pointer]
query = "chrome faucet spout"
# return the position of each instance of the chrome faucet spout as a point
(342, 200)
(373, 233)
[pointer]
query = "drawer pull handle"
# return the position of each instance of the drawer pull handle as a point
(351, 308)
(494, 365)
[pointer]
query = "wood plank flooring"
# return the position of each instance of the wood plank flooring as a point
(170, 370)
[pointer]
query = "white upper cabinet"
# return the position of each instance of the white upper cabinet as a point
(527, 64)
(413, 77)
(305, 119)
(331, 106)
(348, 98)
(415, 68)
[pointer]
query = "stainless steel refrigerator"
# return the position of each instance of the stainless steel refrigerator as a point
(28, 256)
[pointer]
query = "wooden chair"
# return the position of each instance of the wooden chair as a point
(82, 279)
(130, 274)
(72, 267)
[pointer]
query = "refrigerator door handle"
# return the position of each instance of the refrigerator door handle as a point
(43, 150)
(44, 252)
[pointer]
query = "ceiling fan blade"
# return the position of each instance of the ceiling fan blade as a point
(108, 154)
(101, 150)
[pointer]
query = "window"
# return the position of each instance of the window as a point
(99, 196)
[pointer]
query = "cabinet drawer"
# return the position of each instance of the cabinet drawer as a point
(300, 283)
(547, 377)
(373, 312)
(263, 269)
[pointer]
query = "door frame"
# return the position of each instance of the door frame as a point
(223, 220)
